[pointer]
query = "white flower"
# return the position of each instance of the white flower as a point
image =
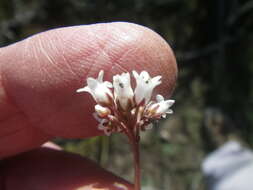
(144, 86)
(102, 111)
(123, 91)
(123, 110)
(161, 108)
(98, 89)
(103, 125)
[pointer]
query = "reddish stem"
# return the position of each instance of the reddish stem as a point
(134, 140)
(137, 169)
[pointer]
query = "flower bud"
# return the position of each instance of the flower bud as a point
(161, 108)
(102, 111)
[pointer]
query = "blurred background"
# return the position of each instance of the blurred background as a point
(213, 43)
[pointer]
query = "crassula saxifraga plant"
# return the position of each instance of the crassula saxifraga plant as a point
(121, 109)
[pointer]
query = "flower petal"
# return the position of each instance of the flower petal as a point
(157, 79)
(144, 86)
(107, 131)
(95, 115)
(170, 102)
(108, 84)
(92, 83)
(135, 74)
(161, 108)
(145, 76)
(169, 111)
(98, 89)
(100, 76)
(159, 98)
(123, 91)
(84, 89)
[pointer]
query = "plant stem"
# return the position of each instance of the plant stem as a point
(134, 140)
(137, 169)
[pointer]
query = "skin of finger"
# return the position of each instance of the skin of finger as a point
(40, 75)
(50, 169)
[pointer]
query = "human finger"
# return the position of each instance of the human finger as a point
(49, 169)
(40, 75)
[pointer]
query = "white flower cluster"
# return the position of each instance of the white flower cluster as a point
(124, 109)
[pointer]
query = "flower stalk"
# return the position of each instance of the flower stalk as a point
(121, 109)
(137, 166)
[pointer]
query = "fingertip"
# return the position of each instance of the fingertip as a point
(41, 74)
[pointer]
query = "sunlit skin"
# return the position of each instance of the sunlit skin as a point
(38, 99)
